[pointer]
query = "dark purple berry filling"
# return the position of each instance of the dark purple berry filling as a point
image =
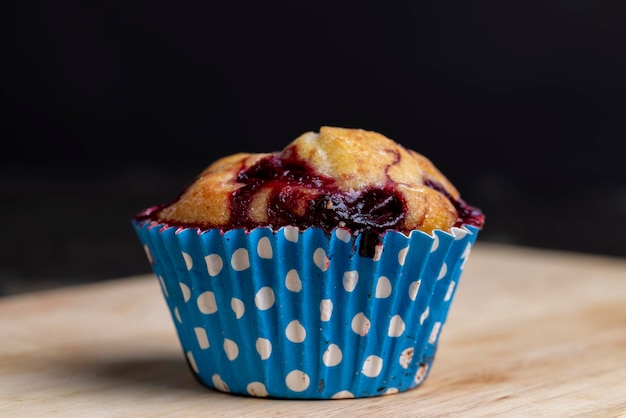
(297, 195)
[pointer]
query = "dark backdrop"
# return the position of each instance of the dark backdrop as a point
(110, 107)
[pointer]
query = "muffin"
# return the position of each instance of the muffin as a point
(322, 271)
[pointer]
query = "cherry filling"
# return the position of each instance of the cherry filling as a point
(289, 171)
(294, 194)
(299, 196)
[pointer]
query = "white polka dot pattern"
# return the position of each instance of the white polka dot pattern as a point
(424, 315)
(264, 348)
(188, 260)
(396, 326)
(378, 252)
(420, 374)
(402, 255)
(383, 288)
(434, 333)
(360, 324)
(238, 307)
(264, 299)
(214, 264)
(297, 380)
(240, 260)
(257, 389)
(292, 281)
(449, 292)
(372, 366)
(343, 234)
(219, 383)
(435, 244)
(443, 271)
(231, 349)
(295, 332)
(326, 309)
(185, 291)
(344, 394)
(202, 337)
(207, 303)
(332, 356)
(291, 233)
(405, 357)
(414, 288)
(253, 307)
(320, 259)
(350, 279)
(465, 255)
(264, 248)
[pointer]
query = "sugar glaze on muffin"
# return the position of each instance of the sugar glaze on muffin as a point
(354, 178)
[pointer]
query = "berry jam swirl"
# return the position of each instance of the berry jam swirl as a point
(351, 178)
(297, 195)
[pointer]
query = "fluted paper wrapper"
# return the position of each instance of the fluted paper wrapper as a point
(301, 314)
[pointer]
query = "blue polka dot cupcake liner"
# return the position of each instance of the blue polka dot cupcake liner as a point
(307, 314)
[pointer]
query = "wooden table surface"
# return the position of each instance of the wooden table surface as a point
(530, 333)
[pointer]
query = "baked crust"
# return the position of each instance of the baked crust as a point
(335, 176)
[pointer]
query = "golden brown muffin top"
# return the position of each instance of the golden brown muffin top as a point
(350, 177)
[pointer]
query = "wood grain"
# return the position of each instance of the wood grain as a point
(531, 333)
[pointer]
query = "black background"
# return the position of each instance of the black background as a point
(110, 107)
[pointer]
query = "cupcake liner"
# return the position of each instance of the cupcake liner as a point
(302, 314)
